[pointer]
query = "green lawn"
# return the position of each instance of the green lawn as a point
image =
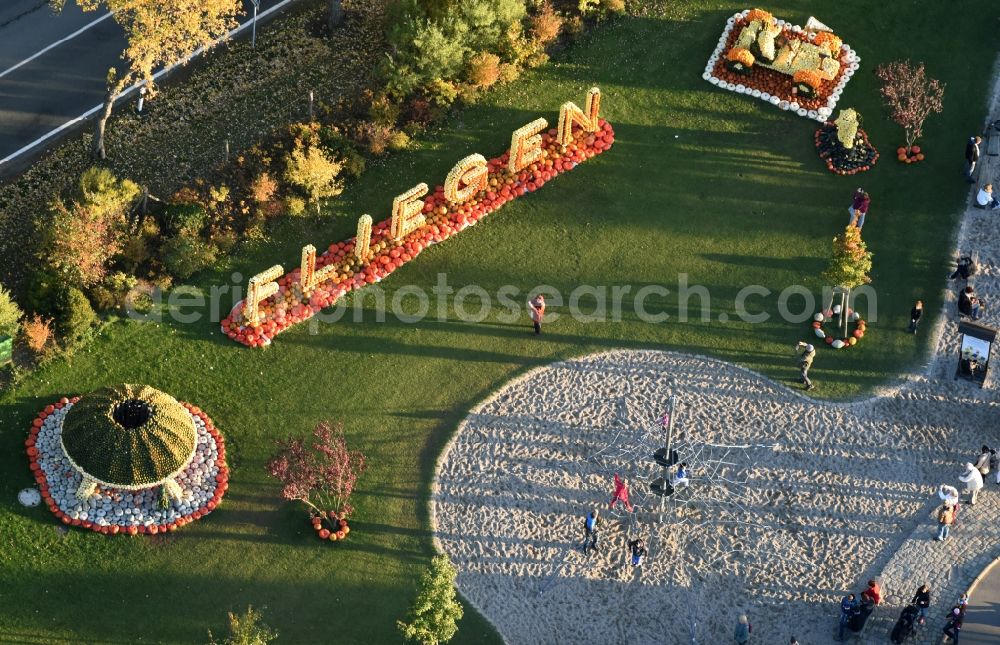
(700, 181)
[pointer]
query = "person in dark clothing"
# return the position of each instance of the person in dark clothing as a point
(590, 531)
(972, 157)
(915, 314)
(638, 551)
(965, 267)
(848, 605)
(922, 599)
(954, 625)
(969, 304)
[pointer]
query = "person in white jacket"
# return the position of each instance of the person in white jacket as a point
(948, 494)
(973, 481)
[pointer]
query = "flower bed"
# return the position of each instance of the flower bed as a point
(841, 160)
(860, 326)
(114, 511)
(775, 87)
(443, 220)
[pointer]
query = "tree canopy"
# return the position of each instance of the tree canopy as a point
(851, 260)
(159, 34)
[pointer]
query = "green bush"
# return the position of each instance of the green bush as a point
(10, 314)
(246, 629)
(398, 141)
(113, 292)
(40, 292)
(74, 315)
(340, 147)
(185, 255)
(433, 617)
(434, 38)
(184, 219)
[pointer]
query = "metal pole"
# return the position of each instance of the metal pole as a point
(253, 38)
(669, 442)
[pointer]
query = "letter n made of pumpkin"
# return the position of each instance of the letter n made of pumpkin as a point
(570, 115)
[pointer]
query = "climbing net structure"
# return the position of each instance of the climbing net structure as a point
(717, 512)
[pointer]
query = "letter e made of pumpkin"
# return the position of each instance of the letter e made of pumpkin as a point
(407, 212)
(526, 145)
(260, 287)
(570, 115)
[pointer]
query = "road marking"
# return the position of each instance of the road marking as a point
(55, 44)
(45, 137)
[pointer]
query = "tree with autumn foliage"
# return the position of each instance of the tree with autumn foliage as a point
(83, 235)
(849, 266)
(910, 96)
(321, 472)
(159, 34)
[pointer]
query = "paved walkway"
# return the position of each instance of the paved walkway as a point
(951, 567)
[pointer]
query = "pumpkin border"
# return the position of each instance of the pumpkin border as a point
(221, 479)
(860, 325)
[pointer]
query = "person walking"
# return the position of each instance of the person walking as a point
(638, 551)
(873, 592)
(954, 625)
(915, 314)
(848, 605)
(620, 494)
(536, 309)
(859, 208)
(995, 463)
(973, 481)
(742, 632)
(806, 354)
(922, 601)
(946, 517)
(590, 531)
(983, 462)
(972, 157)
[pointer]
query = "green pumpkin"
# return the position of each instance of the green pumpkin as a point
(129, 435)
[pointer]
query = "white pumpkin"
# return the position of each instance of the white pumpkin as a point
(837, 344)
(820, 333)
(818, 317)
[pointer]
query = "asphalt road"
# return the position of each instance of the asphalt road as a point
(66, 79)
(982, 617)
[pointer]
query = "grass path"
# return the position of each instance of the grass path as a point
(700, 181)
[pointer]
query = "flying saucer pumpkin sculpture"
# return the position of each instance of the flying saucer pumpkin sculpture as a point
(127, 459)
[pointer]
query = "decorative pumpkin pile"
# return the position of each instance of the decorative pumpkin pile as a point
(127, 460)
(913, 155)
(810, 86)
(329, 527)
(845, 161)
(852, 338)
(443, 220)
